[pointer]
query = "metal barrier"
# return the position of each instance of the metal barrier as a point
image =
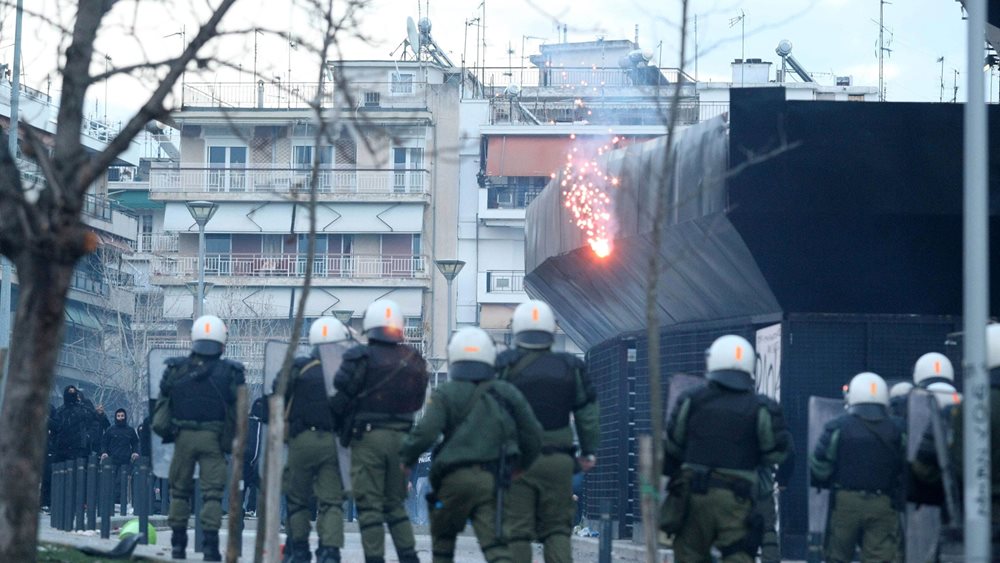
(83, 494)
(107, 502)
(92, 494)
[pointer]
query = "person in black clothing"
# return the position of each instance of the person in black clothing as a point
(251, 459)
(71, 427)
(98, 425)
(120, 442)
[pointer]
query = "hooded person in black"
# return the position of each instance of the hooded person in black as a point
(71, 427)
(120, 442)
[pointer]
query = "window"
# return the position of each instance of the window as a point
(218, 257)
(227, 165)
(145, 232)
(302, 157)
(401, 83)
(855, 97)
(413, 328)
(372, 99)
(408, 162)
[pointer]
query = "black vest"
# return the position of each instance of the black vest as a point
(200, 395)
(549, 385)
(869, 454)
(722, 429)
(404, 392)
(310, 404)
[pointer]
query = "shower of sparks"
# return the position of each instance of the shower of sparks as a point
(585, 188)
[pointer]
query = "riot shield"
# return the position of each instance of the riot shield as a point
(162, 454)
(821, 411)
(923, 521)
(330, 356)
(678, 384)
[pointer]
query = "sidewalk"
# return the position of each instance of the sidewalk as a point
(467, 549)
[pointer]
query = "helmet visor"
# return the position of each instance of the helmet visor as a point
(535, 339)
(207, 347)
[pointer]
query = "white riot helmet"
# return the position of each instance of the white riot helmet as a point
(993, 346)
(730, 361)
(945, 394)
(932, 367)
(533, 325)
(471, 355)
(383, 321)
(208, 336)
(327, 329)
(867, 388)
(900, 389)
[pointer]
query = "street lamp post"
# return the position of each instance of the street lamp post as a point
(201, 212)
(449, 269)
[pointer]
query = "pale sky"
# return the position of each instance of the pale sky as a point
(830, 38)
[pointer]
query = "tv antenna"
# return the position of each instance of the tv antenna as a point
(742, 20)
(882, 49)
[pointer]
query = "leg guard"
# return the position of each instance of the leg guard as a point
(210, 545)
(178, 543)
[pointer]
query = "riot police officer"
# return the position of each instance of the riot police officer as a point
(488, 427)
(898, 395)
(860, 457)
(312, 453)
(199, 394)
(540, 506)
(379, 387)
(717, 438)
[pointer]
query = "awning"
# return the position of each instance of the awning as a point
(526, 156)
(113, 242)
(79, 315)
(136, 199)
(522, 155)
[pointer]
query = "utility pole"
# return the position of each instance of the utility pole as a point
(6, 269)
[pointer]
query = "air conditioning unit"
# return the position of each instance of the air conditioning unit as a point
(372, 99)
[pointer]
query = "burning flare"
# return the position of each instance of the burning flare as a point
(584, 189)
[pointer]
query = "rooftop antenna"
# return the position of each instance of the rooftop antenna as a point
(882, 49)
(941, 94)
(741, 19)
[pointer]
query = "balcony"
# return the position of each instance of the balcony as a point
(287, 181)
(505, 281)
(152, 243)
(510, 196)
(344, 266)
(363, 96)
(89, 284)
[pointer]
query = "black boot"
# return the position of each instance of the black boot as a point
(297, 552)
(210, 545)
(178, 543)
(408, 557)
(328, 554)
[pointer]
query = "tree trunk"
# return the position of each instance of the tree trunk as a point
(37, 335)
(235, 545)
(272, 476)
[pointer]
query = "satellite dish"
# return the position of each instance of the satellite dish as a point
(784, 48)
(512, 91)
(413, 36)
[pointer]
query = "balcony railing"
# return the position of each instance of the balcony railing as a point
(300, 95)
(89, 284)
(510, 196)
(576, 77)
(644, 112)
(288, 180)
(149, 242)
(505, 281)
(294, 265)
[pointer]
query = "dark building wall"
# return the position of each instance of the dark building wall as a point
(820, 353)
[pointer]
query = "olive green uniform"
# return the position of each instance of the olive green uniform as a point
(717, 439)
(312, 468)
(861, 459)
(540, 506)
(199, 441)
(382, 379)
(476, 420)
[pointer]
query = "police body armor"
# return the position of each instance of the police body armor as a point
(395, 380)
(873, 464)
(199, 396)
(549, 385)
(310, 407)
(722, 429)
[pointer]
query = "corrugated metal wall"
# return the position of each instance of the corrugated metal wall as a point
(820, 353)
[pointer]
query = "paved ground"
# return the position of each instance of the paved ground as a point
(585, 549)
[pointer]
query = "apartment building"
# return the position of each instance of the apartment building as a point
(387, 194)
(99, 305)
